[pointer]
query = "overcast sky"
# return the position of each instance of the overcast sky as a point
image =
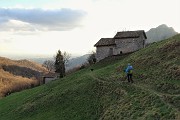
(40, 27)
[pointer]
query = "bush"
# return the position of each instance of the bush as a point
(92, 58)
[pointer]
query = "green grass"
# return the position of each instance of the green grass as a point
(104, 94)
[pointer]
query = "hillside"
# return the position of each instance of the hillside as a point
(18, 75)
(77, 61)
(160, 33)
(22, 63)
(104, 94)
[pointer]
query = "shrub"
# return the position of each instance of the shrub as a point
(92, 58)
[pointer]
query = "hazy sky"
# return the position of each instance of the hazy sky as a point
(41, 27)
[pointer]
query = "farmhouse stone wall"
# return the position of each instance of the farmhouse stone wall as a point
(104, 51)
(123, 42)
(128, 45)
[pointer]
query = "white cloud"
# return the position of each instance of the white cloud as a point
(40, 19)
(45, 30)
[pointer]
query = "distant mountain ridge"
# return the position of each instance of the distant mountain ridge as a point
(22, 63)
(73, 62)
(159, 33)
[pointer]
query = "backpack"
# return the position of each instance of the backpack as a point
(130, 71)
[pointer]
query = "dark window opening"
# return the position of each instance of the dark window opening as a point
(121, 52)
(110, 51)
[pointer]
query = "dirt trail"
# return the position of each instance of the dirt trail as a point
(160, 95)
(144, 88)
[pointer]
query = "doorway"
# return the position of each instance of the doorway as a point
(110, 51)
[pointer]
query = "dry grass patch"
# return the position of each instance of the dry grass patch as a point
(10, 83)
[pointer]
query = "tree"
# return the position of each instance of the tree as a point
(61, 60)
(92, 58)
(49, 64)
(66, 57)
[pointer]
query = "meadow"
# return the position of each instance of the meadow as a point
(104, 93)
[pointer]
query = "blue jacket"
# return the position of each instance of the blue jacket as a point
(129, 67)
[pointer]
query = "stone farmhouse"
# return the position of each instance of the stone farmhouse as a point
(122, 42)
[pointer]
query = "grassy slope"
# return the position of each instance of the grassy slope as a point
(103, 93)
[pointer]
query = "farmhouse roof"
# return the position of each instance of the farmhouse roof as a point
(120, 35)
(105, 42)
(130, 34)
(51, 75)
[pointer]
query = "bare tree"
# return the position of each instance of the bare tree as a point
(49, 64)
(66, 58)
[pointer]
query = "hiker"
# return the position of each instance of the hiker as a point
(128, 71)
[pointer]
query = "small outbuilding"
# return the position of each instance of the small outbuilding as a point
(50, 77)
(122, 42)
